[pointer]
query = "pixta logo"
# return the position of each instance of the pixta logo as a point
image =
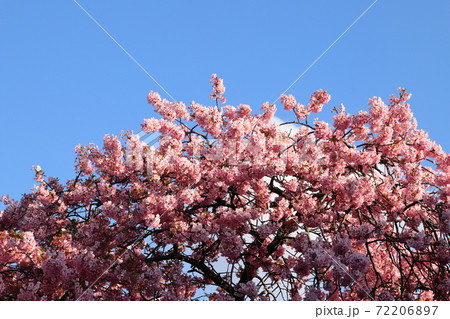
(142, 154)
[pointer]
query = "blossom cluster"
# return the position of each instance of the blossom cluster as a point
(218, 89)
(358, 209)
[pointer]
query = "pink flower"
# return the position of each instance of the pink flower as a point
(385, 296)
(153, 98)
(378, 114)
(269, 112)
(288, 101)
(363, 231)
(218, 89)
(341, 245)
(357, 261)
(301, 112)
(419, 241)
(342, 120)
(248, 289)
(313, 294)
(322, 130)
(317, 101)
(445, 225)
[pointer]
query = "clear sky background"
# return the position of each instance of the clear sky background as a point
(63, 82)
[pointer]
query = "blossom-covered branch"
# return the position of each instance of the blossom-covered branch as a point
(231, 206)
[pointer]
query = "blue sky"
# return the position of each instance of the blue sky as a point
(63, 82)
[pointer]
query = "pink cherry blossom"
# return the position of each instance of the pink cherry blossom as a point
(317, 100)
(229, 201)
(218, 88)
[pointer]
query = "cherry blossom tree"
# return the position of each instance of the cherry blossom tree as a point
(230, 206)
